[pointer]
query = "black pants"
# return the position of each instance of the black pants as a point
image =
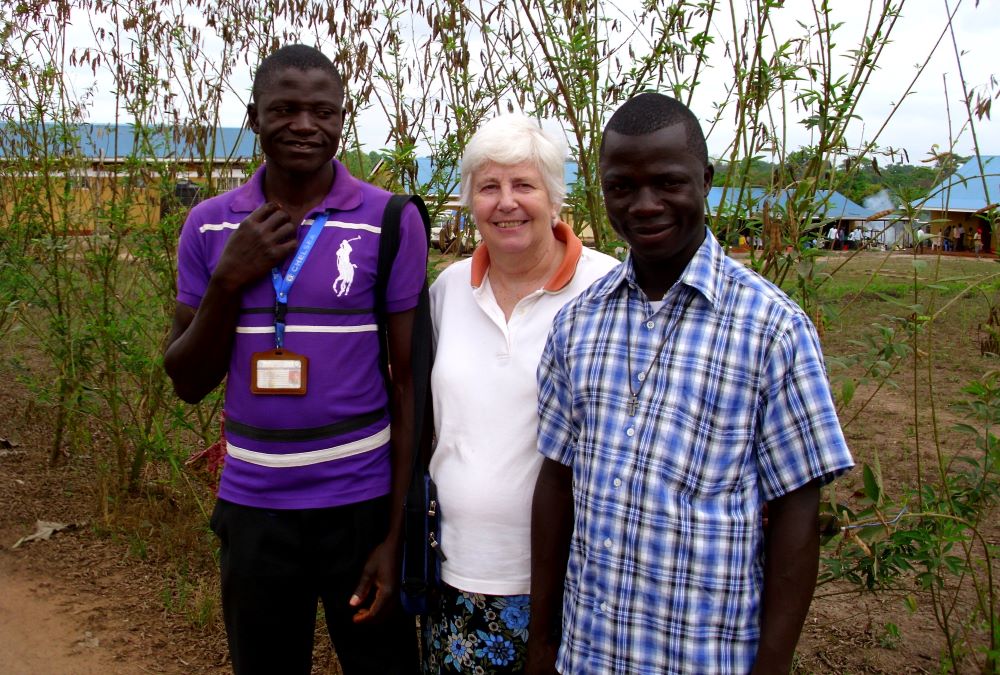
(275, 567)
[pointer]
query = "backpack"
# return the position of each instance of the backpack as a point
(421, 574)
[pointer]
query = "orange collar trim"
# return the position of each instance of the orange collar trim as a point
(563, 274)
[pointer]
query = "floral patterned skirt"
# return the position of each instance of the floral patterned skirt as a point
(476, 633)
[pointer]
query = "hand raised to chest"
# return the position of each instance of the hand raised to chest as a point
(263, 240)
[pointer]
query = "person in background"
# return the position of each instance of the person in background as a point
(833, 236)
(491, 314)
(855, 237)
(678, 396)
(275, 290)
(977, 240)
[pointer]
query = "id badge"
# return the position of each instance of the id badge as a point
(278, 371)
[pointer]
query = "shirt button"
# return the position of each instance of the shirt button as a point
(617, 482)
(608, 544)
(630, 432)
(642, 377)
(604, 607)
(650, 324)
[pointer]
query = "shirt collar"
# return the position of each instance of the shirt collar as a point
(563, 274)
(345, 195)
(703, 272)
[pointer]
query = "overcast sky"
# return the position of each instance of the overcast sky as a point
(922, 118)
(920, 122)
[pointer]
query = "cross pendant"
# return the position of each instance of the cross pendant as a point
(632, 403)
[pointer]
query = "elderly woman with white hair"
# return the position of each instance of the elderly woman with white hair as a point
(491, 315)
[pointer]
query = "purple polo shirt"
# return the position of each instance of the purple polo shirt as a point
(330, 446)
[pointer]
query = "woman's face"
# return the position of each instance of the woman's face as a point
(511, 207)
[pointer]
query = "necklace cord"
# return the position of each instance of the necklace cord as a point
(633, 401)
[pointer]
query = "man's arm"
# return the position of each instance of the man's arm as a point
(791, 563)
(551, 531)
(197, 355)
(383, 567)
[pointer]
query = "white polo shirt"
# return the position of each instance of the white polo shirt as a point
(485, 414)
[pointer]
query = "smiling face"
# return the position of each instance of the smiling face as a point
(298, 118)
(511, 207)
(654, 190)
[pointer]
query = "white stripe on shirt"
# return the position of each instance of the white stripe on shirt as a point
(268, 459)
(218, 227)
(363, 328)
(353, 226)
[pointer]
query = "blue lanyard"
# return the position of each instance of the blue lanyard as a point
(283, 284)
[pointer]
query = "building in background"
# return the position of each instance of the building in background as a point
(969, 198)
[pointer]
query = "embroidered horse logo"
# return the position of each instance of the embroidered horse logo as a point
(345, 268)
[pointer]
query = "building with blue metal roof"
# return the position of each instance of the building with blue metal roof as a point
(87, 163)
(969, 198)
(115, 143)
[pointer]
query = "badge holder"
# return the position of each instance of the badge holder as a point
(278, 371)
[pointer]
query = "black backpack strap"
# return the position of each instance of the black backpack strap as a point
(422, 556)
(421, 355)
(388, 247)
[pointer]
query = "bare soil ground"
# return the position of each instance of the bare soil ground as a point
(133, 590)
(848, 632)
(81, 601)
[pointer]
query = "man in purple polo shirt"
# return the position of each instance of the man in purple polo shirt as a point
(276, 293)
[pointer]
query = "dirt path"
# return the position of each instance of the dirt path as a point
(76, 605)
(44, 629)
(82, 601)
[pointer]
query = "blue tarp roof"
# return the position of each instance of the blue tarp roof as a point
(425, 171)
(964, 190)
(830, 205)
(749, 199)
(109, 142)
(835, 206)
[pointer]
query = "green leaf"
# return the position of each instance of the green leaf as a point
(965, 428)
(847, 391)
(873, 485)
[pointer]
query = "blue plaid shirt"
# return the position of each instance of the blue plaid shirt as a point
(666, 561)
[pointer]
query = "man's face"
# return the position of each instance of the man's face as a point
(298, 117)
(654, 190)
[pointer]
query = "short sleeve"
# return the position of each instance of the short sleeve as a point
(799, 436)
(410, 266)
(556, 433)
(192, 271)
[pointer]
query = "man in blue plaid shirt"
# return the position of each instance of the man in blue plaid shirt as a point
(678, 396)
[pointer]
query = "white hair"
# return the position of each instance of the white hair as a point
(513, 138)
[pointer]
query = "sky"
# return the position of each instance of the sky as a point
(920, 122)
